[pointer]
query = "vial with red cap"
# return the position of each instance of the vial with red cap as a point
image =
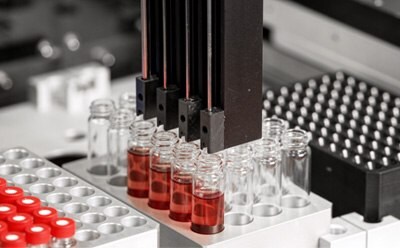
(3, 183)
(10, 194)
(19, 221)
(38, 236)
(3, 227)
(62, 232)
(13, 240)
(27, 204)
(7, 210)
(44, 215)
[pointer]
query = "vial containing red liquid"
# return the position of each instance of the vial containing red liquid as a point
(160, 169)
(139, 158)
(182, 169)
(62, 232)
(208, 195)
(38, 236)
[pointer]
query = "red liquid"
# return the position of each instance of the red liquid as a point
(180, 208)
(208, 213)
(160, 180)
(138, 172)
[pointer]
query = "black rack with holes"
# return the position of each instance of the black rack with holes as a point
(355, 140)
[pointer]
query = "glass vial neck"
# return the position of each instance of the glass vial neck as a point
(164, 140)
(295, 139)
(128, 101)
(102, 108)
(142, 132)
(121, 119)
(273, 128)
(185, 155)
(266, 148)
(209, 164)
(239, 158)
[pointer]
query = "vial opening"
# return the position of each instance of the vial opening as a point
(19, 218)
(28, 201)
(37, 229)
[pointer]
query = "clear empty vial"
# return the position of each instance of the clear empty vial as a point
(38, 236)
(139, 158)
(127, 100)
(273, 128)
(160, 169)
(239, 195)
(182, 169)
(98, 124)
(268, 188)
(208, 195)
(296, 169)
(118, 138)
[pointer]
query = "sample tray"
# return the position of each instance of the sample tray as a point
(355, 140)
(101, 220)
(299, 228)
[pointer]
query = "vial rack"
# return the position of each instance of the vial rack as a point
(355, 140)
(101, 220)
(314, 220)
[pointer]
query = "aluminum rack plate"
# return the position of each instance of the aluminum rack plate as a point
(300, 228)
(102, 220)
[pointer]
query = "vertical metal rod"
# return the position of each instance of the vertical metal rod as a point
(209, 55)
(187, 47)
(145, 62)
(164, 17)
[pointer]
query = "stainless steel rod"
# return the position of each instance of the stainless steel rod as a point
(209, 55)
(164, 17)
(145, 61)
(187, 47)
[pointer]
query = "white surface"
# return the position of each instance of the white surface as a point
(385, 234)
(353, 237)
(45, 133)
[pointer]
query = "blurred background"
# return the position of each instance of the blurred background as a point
(56, 55)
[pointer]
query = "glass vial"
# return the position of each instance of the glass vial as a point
(268, 188)
(62, 232)
(98, 124)
(127, 100)
(273, 128)
(160, 169)
(139, 158)
(239, 185)
(208, 195)
(295, 168)
(118, 137)
(182, 169)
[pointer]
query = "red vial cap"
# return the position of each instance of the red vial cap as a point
(10, 194)
(7, 210)
(62, 228)
(3, 183)
(37, 234)
(27, 204)
(3, 227)
(13, 240)
(44, 215)
(18, 222)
